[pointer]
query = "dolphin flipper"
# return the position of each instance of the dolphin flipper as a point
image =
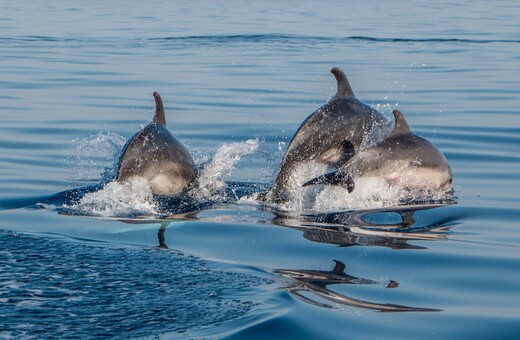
(333, 178)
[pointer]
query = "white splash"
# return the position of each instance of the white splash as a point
(377, 133)
(211, 182)
(369, 193)
(94, 154)
(299, 195)
(131, 198)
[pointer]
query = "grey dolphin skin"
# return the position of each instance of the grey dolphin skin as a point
(402, 157)
(331, 135)
(155, 154)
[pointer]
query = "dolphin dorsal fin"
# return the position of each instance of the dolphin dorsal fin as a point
(339, 267)
(344, 88)
(401, 126)
(158, 118)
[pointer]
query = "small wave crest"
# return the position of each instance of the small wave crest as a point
(292, 38)
(211, 183)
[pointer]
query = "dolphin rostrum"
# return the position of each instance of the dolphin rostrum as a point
(155, 154)
(331, 135)
(402, 158)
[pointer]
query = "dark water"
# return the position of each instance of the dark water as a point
(237, 79)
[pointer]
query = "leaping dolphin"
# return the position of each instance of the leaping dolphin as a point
(331, 135)
(402, 158)
(155, 154)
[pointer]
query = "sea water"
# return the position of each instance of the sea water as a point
(81, 256)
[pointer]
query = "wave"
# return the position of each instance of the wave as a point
(440, 40)
(292, 38)
(251, 38)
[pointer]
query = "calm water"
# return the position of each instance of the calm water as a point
(237, 80)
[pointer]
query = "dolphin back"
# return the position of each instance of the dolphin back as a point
(155, 154)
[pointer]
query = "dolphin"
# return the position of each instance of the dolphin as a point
(155, 154)
(331, 135)
(402, 158)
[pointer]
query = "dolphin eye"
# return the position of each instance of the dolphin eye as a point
(451, 180)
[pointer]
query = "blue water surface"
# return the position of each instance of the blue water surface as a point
(237, 79)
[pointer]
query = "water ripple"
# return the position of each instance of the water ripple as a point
(249, 38)
(291, 38)
(84, 290)
(430, 40)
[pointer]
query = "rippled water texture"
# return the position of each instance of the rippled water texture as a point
(83, 257)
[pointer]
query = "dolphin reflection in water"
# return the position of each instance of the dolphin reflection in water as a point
(317, 282)
(348, 229)
(353, 228)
